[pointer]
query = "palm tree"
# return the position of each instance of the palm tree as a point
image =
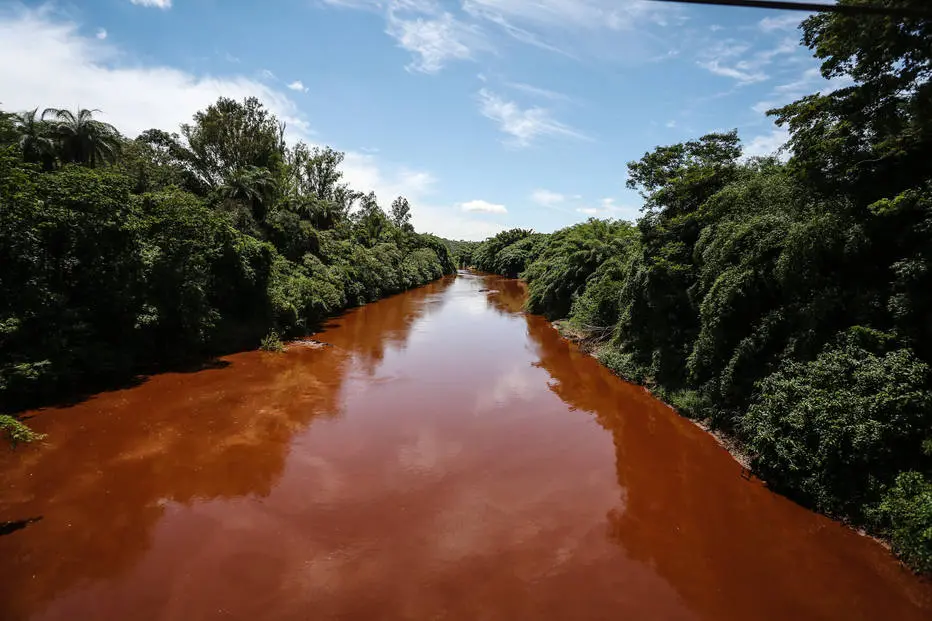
(251, 185)
(81, 138)
(34, 139)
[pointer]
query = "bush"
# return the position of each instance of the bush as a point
(834, 432)
(569, 258)
(272, 342)
(906, 514)
(15, 432)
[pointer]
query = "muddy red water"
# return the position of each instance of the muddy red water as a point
(447, 457)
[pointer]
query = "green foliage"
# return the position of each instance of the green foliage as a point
(15, 432)
(81, 139)
(182, 247)
(570, 257)
(905, 513)
(836, 430)
(272, 342)
(485, 256)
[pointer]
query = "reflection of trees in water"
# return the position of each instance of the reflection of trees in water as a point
(506, 295)
(368, 331)
(729, 547)
(114, 462)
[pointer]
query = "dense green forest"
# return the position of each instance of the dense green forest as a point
(125, 256)
(788, 304)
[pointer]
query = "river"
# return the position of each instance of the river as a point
(445, 456)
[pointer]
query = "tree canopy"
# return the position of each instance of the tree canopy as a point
(123, 256)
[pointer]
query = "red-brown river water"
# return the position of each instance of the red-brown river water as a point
(447, 457)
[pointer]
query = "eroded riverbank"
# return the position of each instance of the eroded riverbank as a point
(447, 457)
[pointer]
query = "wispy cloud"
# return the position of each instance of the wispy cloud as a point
(607, 208)
(810, 81)
(591, 14)
(524, 125)
(537, 91)
(158, 4)
(767, 144)
(784, 22)
(434, 41)
(481, 206)
(547, 198)
(730, 59)
(101, 33)
(734, 59)
(298, 85)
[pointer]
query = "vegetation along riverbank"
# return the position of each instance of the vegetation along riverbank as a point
(786, 303)
(124, 256)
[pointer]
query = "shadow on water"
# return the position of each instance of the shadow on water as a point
(8, 528)
(729, 546)
(114, 464)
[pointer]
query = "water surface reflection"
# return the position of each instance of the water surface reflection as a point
(446, 457)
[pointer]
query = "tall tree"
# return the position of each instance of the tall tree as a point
(873, 138)
(81, 138)
(315, 185)
(231, 136)
(253, 186)
(401, 214)
(35, 140)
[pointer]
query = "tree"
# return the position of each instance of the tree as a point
(230, 136)
(314, 185)
(370, 219)
(35, 140)
(252, 186)
(873, 138)
(81, 138)
(401, 214)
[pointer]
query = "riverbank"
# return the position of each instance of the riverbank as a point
(592, 345)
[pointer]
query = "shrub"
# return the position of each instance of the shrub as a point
(834, 431)
(272, 342)
(906, 514)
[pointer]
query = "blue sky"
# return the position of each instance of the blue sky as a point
(486, 114)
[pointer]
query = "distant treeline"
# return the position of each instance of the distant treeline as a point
(789, 304)
(119, 256)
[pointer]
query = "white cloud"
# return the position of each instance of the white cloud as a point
(741, 71)
(810, 81)
(522, 124)
(101, 33)
(547, 198)
(69, 70)
(298, 85)
(671, 124)
(66, 69)
(767, 144)
(481, 206)
(267, 75)
(537, 91)
(784, 22)
(158, 4)
(761, 107)
(590, 14)
(607, 208)
(434, 41)
(733, 59)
